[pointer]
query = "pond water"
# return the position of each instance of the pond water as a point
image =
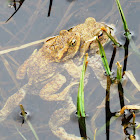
(31, 23)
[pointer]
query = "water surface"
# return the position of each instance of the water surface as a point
(31, 23)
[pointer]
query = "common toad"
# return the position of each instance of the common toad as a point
(47, 66)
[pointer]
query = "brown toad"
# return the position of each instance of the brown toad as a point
(42, 64)
(47, 66)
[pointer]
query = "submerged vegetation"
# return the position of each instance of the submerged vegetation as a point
(120, 74)
(14, 3)
(27, 121)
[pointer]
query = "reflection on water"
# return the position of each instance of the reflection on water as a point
(31, 23)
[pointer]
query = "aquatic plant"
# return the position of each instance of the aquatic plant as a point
(80, 96)
(28, 122)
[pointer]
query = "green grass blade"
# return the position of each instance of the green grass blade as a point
(122, 16)
(111, 37)
(80, 96)
(28, 122)
(32, 129)
(104, 59)
(20, 133)
(127, 33)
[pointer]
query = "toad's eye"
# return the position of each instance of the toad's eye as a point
(100, 35)
(72, 43)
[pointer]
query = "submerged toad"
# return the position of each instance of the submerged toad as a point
(42, 64)
(45, 68)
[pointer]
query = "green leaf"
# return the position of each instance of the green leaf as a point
(80, 96)
(104, 59)
(127, 33)
(28, 122)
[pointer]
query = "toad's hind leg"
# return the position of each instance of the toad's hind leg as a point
(12, 102)
(61, 117)
(49, 91)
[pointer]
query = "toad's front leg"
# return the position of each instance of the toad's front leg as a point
(73, 69)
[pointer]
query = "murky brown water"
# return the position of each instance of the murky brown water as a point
(31, 23)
